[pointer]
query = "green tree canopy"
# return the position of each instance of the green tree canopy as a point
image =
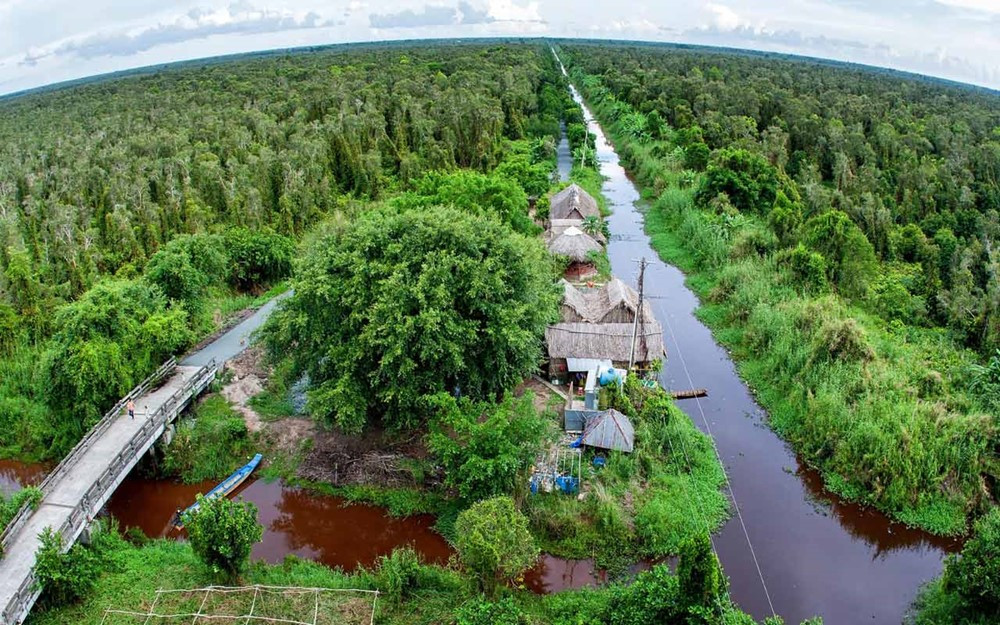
(850, 257)
(494, 543)
(222, 533)
(398, 306)
(108, 340)
(484, 448)
(495, 195)
(746, 177)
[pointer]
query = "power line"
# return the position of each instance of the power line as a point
(725, 474)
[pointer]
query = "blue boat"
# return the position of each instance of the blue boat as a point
(224, 489)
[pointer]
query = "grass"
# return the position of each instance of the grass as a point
(210, 444)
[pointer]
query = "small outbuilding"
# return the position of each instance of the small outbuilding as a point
(573, 203)
(575, 244)
(609, 429)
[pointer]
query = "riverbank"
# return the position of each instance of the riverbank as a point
(793, 533)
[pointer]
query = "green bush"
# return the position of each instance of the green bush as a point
(258, 257)
(222, 533)
(975, 575)
(494, 543)
(485, 448)
(66, 577)
(210, 444)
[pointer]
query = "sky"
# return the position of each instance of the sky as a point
(47, 41)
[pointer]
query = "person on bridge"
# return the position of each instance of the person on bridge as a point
(130, 406)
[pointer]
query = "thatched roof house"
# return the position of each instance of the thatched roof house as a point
(614, 302)
(609, 429)
(573, 203)
(559, 226)
(603, 341)
(574, 244)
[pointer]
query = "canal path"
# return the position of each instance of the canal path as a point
(817, 555)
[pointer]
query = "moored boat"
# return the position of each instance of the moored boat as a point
(224, 489)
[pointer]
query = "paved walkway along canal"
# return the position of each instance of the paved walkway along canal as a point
(817, 555)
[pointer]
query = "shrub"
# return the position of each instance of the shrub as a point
(258, 257)
(222, 533)
(975, 575)
(485, 448)
(842, 339)
(64, 577)
(494, 543)
(747, 178)
(398, 574)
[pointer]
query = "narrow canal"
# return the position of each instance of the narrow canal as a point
(816, 554)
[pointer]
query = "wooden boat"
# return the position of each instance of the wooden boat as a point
(224, 489)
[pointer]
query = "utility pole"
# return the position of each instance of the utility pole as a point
(638, 314)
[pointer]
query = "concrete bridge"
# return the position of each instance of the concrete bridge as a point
(76, 490)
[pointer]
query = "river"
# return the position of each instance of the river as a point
(816, 554)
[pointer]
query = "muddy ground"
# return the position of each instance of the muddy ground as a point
(372, 458)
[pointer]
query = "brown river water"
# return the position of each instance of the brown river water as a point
(302, 523)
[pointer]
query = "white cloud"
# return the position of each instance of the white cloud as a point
(723, 17)
(510, 11)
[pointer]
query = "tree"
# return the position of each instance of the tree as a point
(399, 306)
(222, 533)
(188, 264)
(258, 257)
(747, 178)
(108, 340)
(485, 448)
(975, 575)
(494, 195)
(494, 543)
(594, 225)
(702, 585)
(64, 577)
(850, 258)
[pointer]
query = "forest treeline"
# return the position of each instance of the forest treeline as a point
(133, 209)
(842, 225)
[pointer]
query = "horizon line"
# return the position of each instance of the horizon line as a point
(263, 52)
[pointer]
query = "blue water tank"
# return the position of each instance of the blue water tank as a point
(609, 376)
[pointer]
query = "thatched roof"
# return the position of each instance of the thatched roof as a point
(558, 226)
(610, 341)
(615, 301)
(609, 429)
(575, 244)
(573, 203)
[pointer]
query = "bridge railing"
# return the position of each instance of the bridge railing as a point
(25, 511)
(98, 491)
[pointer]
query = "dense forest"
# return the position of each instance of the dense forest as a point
(136, 212)
(841, 225)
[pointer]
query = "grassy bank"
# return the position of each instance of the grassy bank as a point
(411, 592)
(881, 408)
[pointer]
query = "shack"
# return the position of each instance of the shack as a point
(576, 245)
(582, 341)
(609, 429)
(573, 203)
(613, 302)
